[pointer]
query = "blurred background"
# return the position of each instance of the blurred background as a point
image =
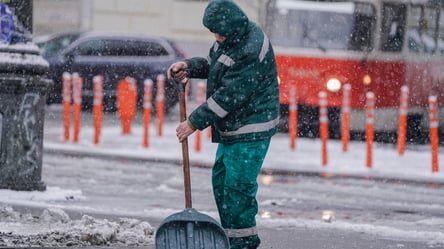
(175, 19)
(370, 46)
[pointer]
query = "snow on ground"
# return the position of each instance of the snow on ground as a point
(54, 228)
(415, 164)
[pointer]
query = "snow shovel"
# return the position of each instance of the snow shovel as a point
(189, 229)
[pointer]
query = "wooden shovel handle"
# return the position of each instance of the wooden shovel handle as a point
(185, 154)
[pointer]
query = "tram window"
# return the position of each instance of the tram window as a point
(392, 30)
(363, 28)
(423, 33)
(323, 25)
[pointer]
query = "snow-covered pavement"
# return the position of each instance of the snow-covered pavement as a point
(414, 165)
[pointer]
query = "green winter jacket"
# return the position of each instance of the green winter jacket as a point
(242, 90)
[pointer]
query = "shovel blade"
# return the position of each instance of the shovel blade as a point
(190, 229)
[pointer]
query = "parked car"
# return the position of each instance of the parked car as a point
(115, 56)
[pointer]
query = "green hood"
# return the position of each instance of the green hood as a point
(225, 18)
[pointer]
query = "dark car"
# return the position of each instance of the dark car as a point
(52, 44)
(115, 56)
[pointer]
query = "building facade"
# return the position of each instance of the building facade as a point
(176, 19)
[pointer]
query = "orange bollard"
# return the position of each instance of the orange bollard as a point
(369, 135)
(197, 146)
(323, 123)
(200, 95)
(434, 140)
(160, 103)
(97, 106)
(126, 103)
(147, 106)
(345, 129)
(293, 118)
(403, 109)
(67, 91)
(77, 96)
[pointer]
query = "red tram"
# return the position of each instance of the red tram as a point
(373, 45)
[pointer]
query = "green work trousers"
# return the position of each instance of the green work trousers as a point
(234, 179)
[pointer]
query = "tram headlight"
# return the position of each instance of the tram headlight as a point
(367, 80)
(334, 85)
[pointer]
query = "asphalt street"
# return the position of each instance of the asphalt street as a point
(298, 199)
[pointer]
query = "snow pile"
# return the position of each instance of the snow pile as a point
(54, 228)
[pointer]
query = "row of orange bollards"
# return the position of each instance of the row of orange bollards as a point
(72, 86)
(126, 105)
(370, 119)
